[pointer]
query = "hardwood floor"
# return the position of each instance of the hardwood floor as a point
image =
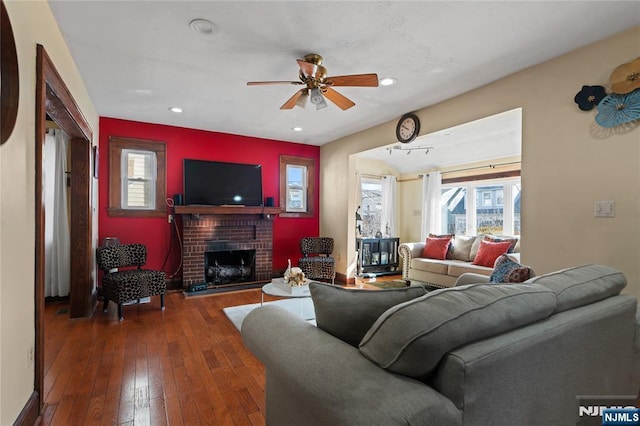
(182, 366)
(186, 365)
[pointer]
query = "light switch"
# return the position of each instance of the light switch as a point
(604, 209)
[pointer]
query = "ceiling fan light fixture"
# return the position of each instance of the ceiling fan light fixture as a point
(317, 99)
(302, 100)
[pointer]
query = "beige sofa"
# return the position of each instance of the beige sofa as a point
(444, 273)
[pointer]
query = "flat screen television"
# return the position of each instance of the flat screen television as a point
(216, 183)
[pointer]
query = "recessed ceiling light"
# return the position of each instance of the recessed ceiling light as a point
(387, 81)
(175, 109)
(203, 27)
(296, 129)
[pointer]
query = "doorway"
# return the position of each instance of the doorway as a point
(54, 99)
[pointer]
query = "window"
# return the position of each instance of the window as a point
(138, 184)
(137, 178)
(371, 208)
(489, 214)
(297, 177)
(296, 199)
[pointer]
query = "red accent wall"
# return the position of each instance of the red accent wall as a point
(183, 143)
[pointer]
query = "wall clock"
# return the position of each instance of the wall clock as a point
(408, 128)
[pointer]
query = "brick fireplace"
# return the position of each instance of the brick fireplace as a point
(203, 234)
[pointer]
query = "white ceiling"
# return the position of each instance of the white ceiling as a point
(138, 58)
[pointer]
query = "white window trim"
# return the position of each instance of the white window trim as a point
(304, 183)
(125, 178)
(508, 212)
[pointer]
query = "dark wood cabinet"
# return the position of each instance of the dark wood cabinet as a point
(377, 256)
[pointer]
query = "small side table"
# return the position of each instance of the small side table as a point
(272, 290)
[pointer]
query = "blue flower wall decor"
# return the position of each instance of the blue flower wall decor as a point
(614, 109)
(589, 97)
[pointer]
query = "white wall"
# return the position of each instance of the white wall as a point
(32, 23)
(568, 162)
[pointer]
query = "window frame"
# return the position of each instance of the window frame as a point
(471, 195)
(363, 211)
(309, 163)
(116, 146)
(126, 180)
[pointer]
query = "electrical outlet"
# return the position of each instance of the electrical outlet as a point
(30, 357)
(170, 218)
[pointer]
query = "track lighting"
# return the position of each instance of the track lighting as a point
(426, 149)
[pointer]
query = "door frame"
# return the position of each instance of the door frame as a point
(53, 98)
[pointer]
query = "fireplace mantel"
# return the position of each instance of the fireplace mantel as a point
(215, 210)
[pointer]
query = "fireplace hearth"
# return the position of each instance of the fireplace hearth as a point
(221, 249)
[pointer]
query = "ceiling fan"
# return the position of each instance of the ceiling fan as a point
(318, 86)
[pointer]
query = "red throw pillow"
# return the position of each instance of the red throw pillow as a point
(451, 237)
(489, 252)
(494, 239)
(436, 248)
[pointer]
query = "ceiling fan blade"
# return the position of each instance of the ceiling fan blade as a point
(338, 99)
(291, 102)
(260, 83)
(362, 80)
(308, 69)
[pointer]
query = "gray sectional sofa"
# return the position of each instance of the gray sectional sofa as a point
(478, 354)
(444, 273)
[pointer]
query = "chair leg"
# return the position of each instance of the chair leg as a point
(120, 317)
(162, 301)
(105, 305)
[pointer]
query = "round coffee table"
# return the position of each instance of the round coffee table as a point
(303, 293)
(272, 290)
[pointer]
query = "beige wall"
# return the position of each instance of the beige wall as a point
(568, 162)
(32, 23)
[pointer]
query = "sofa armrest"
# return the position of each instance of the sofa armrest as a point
(407, 251)
(636, 350)
(471, 278)
(315, 378)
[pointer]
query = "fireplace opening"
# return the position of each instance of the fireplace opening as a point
(229, 266)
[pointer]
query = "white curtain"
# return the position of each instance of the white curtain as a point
(57, 269)
(358, 198)
(388, 225)
(431, 208)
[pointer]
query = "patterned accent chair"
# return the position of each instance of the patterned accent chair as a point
(129, 284)
(316, 261)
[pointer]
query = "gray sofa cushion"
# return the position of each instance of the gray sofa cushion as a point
(411, 338)
(348, 313)
(582, 285)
